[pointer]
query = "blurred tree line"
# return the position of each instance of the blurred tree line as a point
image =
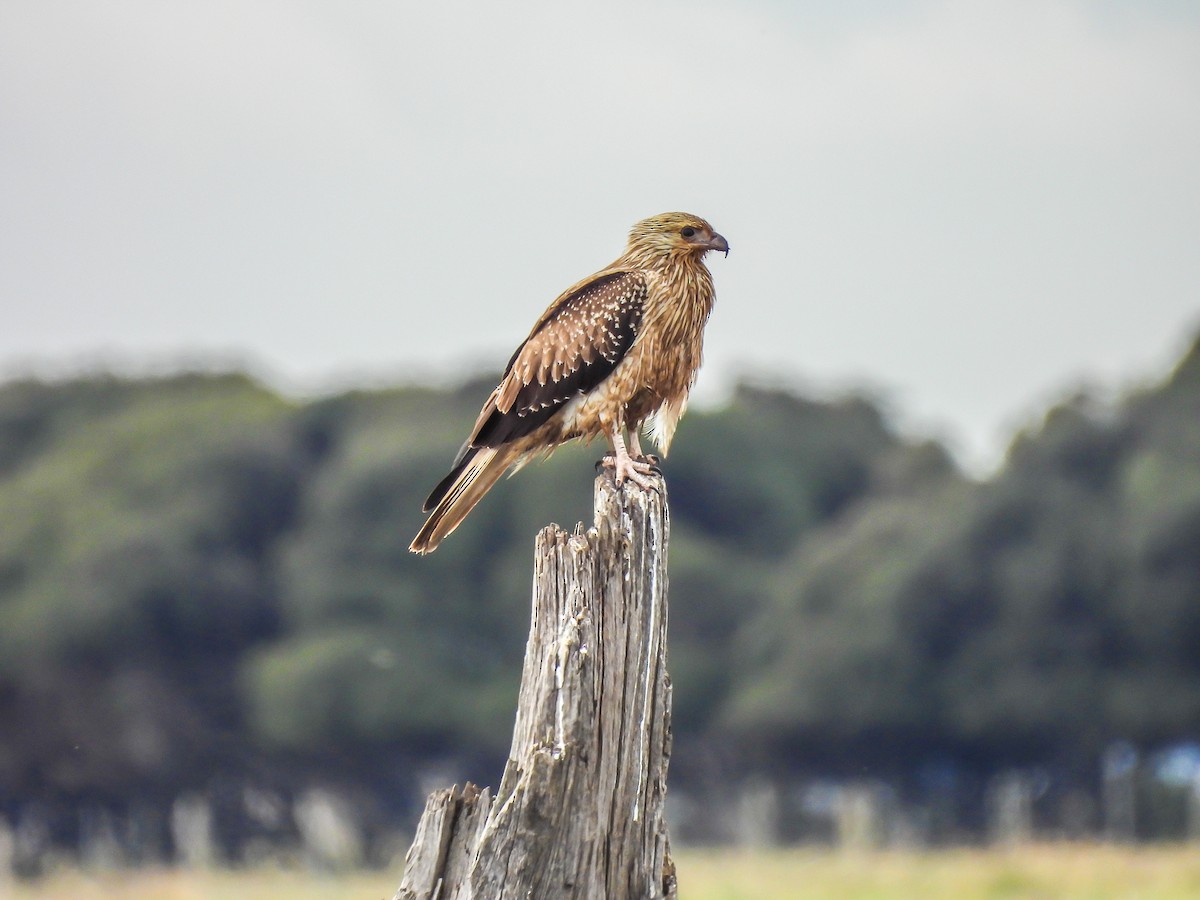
(201, 579)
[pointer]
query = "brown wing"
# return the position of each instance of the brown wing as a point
(575, 345)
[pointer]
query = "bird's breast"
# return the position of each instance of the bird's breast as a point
(656, 374)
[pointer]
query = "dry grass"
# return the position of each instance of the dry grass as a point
(1043, 872)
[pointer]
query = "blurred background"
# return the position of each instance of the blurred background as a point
(935, 567)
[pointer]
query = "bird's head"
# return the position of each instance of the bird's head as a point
(675, 234)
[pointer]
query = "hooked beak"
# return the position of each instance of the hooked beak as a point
(716, 242)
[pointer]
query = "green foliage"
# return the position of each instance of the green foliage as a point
(144, 531)
(797, 463)
(1037, 616)
(369, 686)
(191, 564)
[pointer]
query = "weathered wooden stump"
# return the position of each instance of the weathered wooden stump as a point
(579, 812)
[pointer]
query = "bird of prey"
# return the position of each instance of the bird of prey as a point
(615, 351)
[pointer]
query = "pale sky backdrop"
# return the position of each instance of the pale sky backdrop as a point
(969, 206)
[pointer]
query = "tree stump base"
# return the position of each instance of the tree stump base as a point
(580, 809)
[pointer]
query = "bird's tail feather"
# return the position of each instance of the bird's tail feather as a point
(464, 488)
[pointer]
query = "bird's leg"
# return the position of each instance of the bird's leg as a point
(635, 444)
(635, 450)
(624, 466)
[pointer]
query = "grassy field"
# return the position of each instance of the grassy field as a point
(1044, 872)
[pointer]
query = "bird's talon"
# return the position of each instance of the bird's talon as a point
(627, 469)
(653, 462)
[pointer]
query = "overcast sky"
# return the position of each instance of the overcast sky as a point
(969, 205)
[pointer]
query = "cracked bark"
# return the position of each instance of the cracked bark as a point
(580, 809)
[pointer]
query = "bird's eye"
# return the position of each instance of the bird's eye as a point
(688, 232)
